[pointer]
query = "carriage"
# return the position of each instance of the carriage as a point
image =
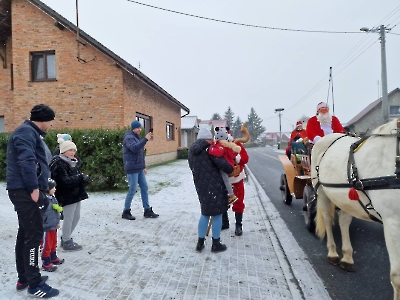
(361, 177)
(296, 183)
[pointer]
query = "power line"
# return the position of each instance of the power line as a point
(242, 24)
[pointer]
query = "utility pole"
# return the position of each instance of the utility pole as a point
(279, 111)
(385, 101)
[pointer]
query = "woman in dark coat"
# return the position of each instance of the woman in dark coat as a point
(210, 187)
(70, 191)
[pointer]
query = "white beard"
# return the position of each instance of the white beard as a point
(325, 118)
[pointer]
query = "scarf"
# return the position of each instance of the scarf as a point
(70, 161)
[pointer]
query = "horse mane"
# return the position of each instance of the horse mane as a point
(387, 128)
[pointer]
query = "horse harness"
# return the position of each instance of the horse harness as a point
(365, 184)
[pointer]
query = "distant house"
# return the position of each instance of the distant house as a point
(211, 124)
(47, 59)
(370, 117)
(189, 130)
(274, 138)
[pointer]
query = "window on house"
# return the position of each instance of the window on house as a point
(145, 121)
(1, 123)
(394, 110)
(169, 131)
(43, 65)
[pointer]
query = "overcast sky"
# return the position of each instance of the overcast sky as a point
(209, 65)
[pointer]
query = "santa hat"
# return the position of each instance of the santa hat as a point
(299, 123)
(322, 104)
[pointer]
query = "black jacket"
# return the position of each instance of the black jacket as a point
(27, 166)
(70, 184)
(207, 178)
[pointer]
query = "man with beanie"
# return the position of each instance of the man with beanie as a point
(27, 180)
(135, 168)
(210, 188)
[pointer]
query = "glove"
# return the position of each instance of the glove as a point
(57, 207)
(85, 178)
(237, 158)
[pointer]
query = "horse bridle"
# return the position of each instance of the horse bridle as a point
(365, 184)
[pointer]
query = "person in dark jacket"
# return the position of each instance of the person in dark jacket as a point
(62, 137)
(135, 168)
(51, 222)
(210, 187)
(70, 191)
(27, 180)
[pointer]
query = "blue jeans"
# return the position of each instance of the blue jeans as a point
(133, 180)
(215, 226)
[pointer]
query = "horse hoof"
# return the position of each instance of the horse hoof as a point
(346, 266)
(334, 260)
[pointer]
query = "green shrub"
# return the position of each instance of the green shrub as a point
(183, 153)
(99, 149)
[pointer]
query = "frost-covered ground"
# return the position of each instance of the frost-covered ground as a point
(155, 258)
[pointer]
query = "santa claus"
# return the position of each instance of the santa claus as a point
(322, 124)
(237, 181)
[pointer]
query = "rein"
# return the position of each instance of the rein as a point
(363, 185)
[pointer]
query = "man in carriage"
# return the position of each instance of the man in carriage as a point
(322, 123)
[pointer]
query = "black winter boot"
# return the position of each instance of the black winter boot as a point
(225, 221)
(217, 246)
(200, 244)
(238, 229)
(148, 213)
(126, 214)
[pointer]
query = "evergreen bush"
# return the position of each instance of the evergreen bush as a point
(99, 149)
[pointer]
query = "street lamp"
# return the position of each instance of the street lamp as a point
(279, 111)
(385, 101)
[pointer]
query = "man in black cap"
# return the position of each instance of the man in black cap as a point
(27, 180)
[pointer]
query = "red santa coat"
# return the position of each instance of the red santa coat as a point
(314, 127)
(238, 183)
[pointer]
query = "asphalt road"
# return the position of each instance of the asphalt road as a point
(371, 261)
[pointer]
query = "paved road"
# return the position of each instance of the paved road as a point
(371, 279)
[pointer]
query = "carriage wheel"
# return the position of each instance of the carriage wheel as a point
(286, 196)
(310, 207)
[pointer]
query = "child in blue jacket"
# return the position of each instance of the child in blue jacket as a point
(51, 222)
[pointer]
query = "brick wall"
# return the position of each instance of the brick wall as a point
(6, 94)
(97, 94)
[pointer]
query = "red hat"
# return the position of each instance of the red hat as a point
(299, 123)
(322, 104)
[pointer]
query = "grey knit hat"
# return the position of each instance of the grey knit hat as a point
(204, 134)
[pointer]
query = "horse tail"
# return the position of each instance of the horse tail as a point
(320, 229)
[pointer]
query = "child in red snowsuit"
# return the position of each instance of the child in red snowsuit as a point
(229, 150)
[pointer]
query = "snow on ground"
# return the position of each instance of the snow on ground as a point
(155, 258)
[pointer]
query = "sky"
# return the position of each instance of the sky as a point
(209, 65)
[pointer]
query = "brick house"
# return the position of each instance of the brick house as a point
(47, 59)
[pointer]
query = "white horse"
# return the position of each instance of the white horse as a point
(373, 167)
